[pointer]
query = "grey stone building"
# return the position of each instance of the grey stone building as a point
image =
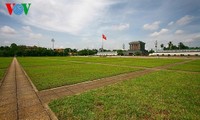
(136, 48)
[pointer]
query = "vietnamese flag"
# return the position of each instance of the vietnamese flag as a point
(103, 36)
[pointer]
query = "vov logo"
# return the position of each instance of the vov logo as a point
(18, 9)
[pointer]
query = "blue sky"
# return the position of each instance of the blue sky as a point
(80, 23)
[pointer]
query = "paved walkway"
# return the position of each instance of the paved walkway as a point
(20, 100)
(47, 95)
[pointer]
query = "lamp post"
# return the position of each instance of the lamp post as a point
(52, 40)
(156, 45)
(123, 46)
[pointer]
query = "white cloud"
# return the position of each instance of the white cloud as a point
(185, 20)
(7, 42)
(35, 35)
(27, 28)
(61, 47)
(30, 33)
(73, 17)
(7, 30)
(161, 32)
(171, 23)
(178, 32)
(120, 27)
(195, 37)
(153, 26)
(3, 11)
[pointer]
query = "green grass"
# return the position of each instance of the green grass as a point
(50, 72)
(139, 62)
(41, 61)
(46, 73)
(190, 66)
(159, 95)
(4, 63)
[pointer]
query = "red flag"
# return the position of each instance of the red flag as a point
(103, 36)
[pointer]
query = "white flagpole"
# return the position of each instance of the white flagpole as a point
(102, 43)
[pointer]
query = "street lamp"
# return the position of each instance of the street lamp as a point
(156, 45)
(52, 40)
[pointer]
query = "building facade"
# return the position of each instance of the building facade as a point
(177, 53)
(136, 48)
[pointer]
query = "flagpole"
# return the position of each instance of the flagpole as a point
(102, 44)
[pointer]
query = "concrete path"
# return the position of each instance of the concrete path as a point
(18, 100)
(47, 95)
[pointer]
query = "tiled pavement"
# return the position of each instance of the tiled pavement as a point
(47, 95)
(20, 100)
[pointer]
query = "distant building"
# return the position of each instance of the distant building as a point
(136, 48)
(59, 50)
(113, 53)
(176, 53)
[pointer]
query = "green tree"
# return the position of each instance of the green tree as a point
(170, 45)
(151, 51)
(13, 49)
(182, 46)
(137, 54)
(87, 52)
(162, 46)
(120, 52)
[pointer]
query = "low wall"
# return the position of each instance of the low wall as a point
(175, 54)
(106, 54)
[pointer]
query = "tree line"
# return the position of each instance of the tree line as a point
(22, 50)
(171, 46)
(180, 46)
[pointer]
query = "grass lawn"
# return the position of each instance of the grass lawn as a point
(140, 62)
(159, 95)
(191, 66)
(4, 63)
(40, 61)
(46, 73)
